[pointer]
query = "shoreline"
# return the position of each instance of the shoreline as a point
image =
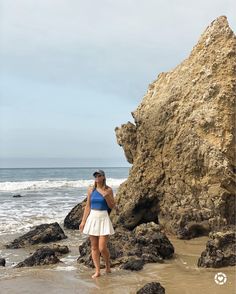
(177, 275)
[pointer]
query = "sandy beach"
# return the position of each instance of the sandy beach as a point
(178, 275)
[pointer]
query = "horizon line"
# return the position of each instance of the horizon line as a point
(71, 167)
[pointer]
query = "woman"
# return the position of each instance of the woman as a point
(96, 221)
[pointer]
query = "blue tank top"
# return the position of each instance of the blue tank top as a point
(98, 201)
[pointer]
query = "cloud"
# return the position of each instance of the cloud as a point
(61, 60)
(111, 46)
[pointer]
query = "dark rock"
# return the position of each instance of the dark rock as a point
(2, 262)
(42, 256)
(58, 249)
(152, 241)
(151, 288)
(146, 242)
(133, 264)
(44, 233)
(220, 250)
(193, 230)
(74, 218)
(45, 255)
(85, 254)
(17, 196)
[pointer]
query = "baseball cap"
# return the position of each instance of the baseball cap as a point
(99, 171)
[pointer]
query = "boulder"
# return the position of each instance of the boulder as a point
(74, 217)
(151, 288)
(220, 250)
(17, 196)
(133, 264)
(44, 233)
(193, 229)
(44, 255)
(58, 249)
(2, 261)
(182, 143)
(146, 243)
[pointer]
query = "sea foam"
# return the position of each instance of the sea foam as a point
(52, 184)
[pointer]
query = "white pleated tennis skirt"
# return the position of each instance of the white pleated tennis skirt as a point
(98, 223)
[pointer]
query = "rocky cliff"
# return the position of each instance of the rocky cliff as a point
(181, 144)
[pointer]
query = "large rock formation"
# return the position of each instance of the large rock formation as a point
(182, 143)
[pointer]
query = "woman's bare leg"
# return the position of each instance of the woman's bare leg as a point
(102, 244)
(95, 255)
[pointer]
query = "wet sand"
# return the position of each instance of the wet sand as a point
(178, 275)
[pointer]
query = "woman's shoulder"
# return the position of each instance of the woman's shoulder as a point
(108, 188)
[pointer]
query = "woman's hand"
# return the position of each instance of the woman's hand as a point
(108, 195)
(86, 210)
(81, 227)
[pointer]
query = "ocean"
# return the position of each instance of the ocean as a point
(48, 194)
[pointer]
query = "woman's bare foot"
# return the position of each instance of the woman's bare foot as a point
(96, 275)
(108, 271)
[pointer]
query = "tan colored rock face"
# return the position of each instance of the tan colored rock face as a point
(182, 143)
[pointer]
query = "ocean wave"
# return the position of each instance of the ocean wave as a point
(52, 184)
(31, 211)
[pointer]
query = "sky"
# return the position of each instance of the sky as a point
(71, 71)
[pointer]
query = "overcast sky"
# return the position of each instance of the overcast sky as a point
(71, 71)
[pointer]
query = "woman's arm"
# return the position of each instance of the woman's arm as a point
(86, 209)
(109, 197)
